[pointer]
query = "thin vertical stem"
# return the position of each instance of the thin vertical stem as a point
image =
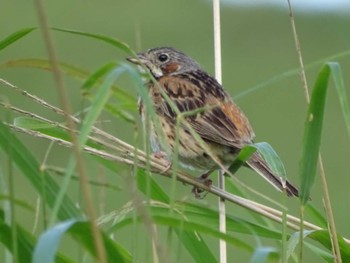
(326, 197)
(217, 40)
(101, 255)
(218, 76)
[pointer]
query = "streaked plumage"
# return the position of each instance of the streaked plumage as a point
(223, 126)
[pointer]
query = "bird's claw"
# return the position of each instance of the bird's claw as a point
(198, 191)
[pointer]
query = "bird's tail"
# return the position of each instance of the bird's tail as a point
(259, 165)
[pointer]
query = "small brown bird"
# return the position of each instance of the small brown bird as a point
(222, 125)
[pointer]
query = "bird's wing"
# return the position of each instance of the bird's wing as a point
(221, 120)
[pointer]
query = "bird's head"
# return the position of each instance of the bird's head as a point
(165, 61)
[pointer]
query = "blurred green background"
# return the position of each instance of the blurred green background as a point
(257, 45)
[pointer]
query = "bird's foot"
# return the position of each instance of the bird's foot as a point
(204, 180)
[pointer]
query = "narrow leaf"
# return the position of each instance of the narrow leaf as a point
(312, 134)
(272, 159)
(15, 36)
(44, 64)
(245, 153)
(68, 69)
(323, 237)
(25, 242)
(47, 246)
(340, 87)
(262, 254)
(30, 169)
(192, 241)
(294, 241)
(114, 42)
(96, 108)
(30, 123)
(97, 75)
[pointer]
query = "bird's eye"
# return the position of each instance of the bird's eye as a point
(163, 57)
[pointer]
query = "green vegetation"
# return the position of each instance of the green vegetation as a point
(126, 206)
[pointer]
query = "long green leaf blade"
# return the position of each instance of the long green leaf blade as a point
(114, 42)
(30, 168)
(14, 37)
(47, 246)
(312, 134)
(340, 88)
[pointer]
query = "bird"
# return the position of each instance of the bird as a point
(216, 118)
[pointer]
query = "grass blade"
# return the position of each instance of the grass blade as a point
(25, 242)
(96, 108)
(15, 36)
(125, 101)
(97, 75)
(242, 157)
(48, 242)
(44, 64)
(30, 168)
(340, 87)
(262, 254)
(114, 42)
(312, 134)
(272, 159)
(192, 241)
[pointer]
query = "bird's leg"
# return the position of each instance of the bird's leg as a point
(204, 180)
(162, 155)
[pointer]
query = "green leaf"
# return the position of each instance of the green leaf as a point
(200, 213)
(262, 254)
(44, 64)
(294, 241)
(17, 202)
(125, 100)
(196, 218)
(317, 216)
(322, 236)
(182, 225)
(114, 42)
(48, 129)
(312, 134)
(30, 168)
(48, 243)
(271, 157)
(245, 153)
(144, 181)
(30, 123)
(24, 242)
(327, 256)
(267, 152)
(96, 108)
(98, 104)
(340, 87)
(162, 216)
(97, 75)
(192, 241)
(15, 36)
(72, 71)
(118, 112)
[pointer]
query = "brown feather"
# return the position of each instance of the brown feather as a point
(225, 123)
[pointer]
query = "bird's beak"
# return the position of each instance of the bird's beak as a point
(138, 60)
